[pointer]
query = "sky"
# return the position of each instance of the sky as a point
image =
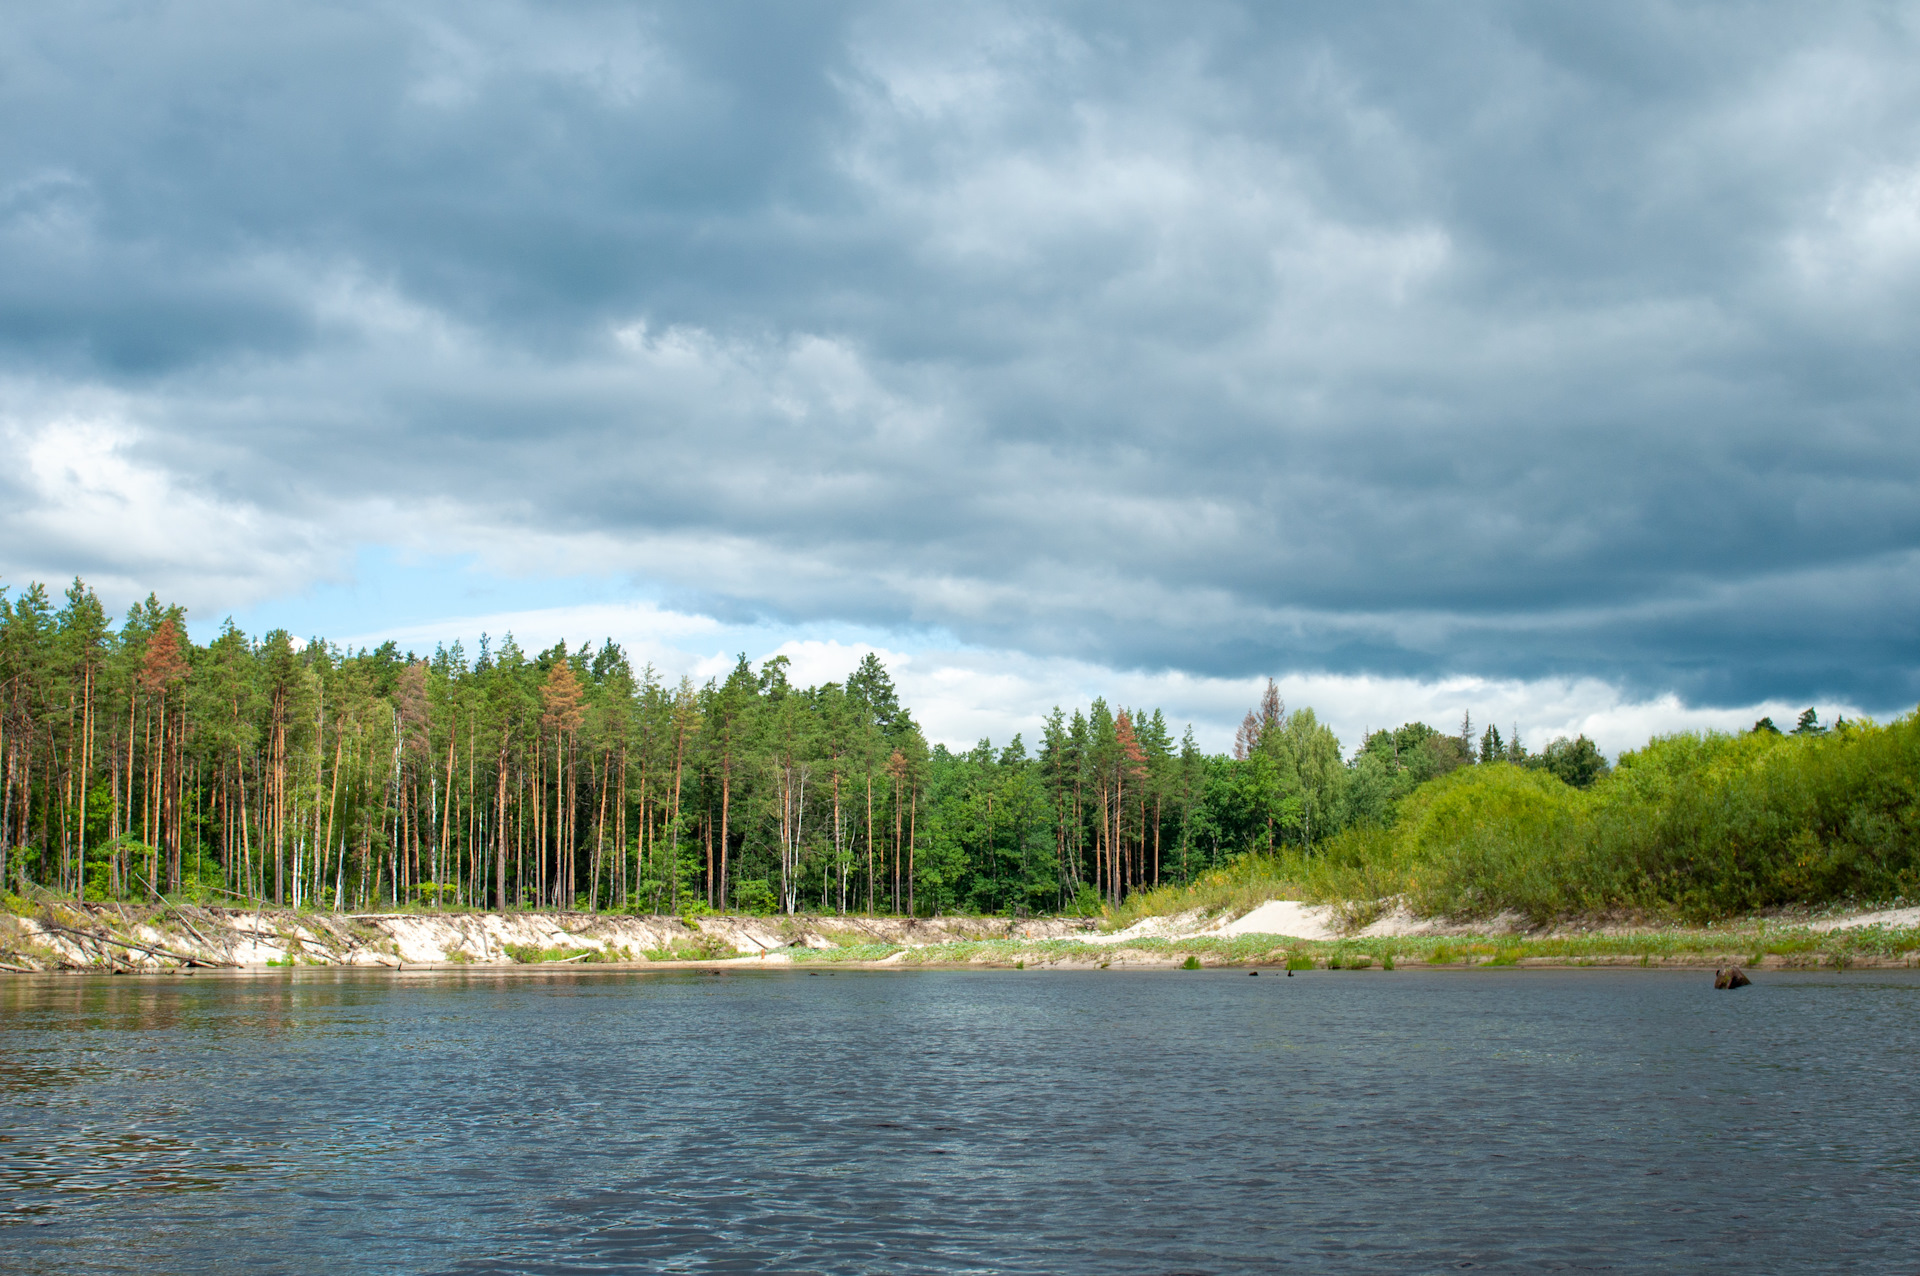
(1549, 363)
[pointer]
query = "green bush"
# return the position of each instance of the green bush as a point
(1086, 902)
(703, 947)
(1696, 826)
(532, 954)
(753, 895)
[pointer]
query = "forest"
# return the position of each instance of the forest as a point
(139, 764)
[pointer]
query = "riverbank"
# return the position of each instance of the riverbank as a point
(117, 939)
(113, 938)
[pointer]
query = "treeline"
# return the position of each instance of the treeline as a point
(138, 763)
(1696, 825)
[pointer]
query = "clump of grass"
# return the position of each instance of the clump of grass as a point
(530, 954)
(1245, 884)
(1799, 949)
(1191, 963)
(702, 947)
(871, 950)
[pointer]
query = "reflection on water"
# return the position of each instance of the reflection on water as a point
(958, 1122)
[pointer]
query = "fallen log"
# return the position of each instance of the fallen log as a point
(195, 931)
(139, 948)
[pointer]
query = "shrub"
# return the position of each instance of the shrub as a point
(702, 947)
(532, 954)
(753, 895)
(1692, 825)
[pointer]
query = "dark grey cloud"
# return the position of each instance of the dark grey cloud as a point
(1433, 339)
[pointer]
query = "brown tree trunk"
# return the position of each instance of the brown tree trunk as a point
(500, 828)
(726, 825)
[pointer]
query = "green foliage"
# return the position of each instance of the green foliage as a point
(1191, 963)
(1085, 903)
(533, 954)
(701, 947)
(1248, 881)
(320, 776)
(1694, 825)
(754, 896)
(1575, 762)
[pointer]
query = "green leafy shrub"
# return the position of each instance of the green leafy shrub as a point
(1085, 903)
(753, 895)
(533, 954)
(1697, 825)
(702, 947)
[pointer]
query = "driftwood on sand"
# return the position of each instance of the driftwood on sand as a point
(99, 938)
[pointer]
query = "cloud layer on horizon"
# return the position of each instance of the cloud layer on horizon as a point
(1432, 343)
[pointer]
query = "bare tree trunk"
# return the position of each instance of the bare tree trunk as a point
(442, 861)
(500, 827)
(673, 821)
(333, 802)
(726, 800)
(600, 833)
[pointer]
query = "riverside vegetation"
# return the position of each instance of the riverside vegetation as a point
(139, 765)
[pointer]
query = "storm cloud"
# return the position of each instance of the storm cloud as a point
(1485, 341)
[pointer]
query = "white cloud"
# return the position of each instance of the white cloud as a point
(88, 501)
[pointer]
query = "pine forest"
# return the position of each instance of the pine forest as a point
(138, 764)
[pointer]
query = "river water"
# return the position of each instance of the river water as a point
(960, 1121)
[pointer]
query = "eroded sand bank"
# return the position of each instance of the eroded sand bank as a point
(96, 938)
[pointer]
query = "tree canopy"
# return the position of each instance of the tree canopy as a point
(139, 763)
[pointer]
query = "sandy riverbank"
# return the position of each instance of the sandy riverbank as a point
(1278, 933)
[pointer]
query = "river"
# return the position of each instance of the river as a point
(959, 1121)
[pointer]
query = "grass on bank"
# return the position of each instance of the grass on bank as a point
(1244, 884)
(1794, 947)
